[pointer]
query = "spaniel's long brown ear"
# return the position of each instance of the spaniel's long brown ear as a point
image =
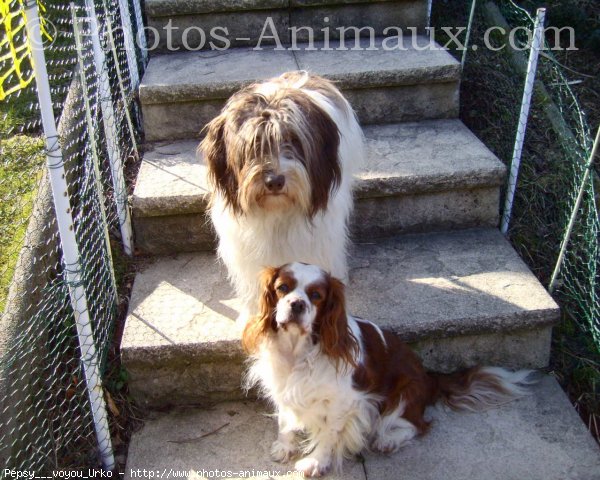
(336, 339)
(259, 325)
(214, 150)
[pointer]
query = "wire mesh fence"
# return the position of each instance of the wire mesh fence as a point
(58, 307)
(557, 144)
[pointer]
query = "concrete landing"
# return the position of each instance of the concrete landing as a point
(430, 175)
(461, 299)
(181, 92)
(539, 437)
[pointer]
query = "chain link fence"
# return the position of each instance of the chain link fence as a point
(58, 291)
(558, 141)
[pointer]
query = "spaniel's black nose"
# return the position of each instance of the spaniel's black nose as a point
(298, 306)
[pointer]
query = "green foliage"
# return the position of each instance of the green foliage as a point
(21, 158)
(578, 14)
(116, 380)
(578, 367)
(121, 263)
(592, 42)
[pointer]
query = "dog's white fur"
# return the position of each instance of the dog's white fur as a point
(308, 391)
(318, 396)
(258, 237)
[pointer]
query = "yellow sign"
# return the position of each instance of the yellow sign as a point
(15, 51)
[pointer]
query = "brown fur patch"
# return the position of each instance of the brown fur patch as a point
(331, 326)
(394, 372)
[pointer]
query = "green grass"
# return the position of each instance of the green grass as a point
(21, 160)
(20, 171)
(576, 363)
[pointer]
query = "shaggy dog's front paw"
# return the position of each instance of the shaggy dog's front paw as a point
(282, 452)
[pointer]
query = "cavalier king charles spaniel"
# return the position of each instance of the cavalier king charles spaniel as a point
(281, 157)
(342, 384)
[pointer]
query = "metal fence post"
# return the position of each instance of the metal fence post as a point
(567, 237)
(523, 116)
(468, 36)
(94, 150)
(68, 241)
(429, 8)
(134, 73)
(110, 130)
(141, 36)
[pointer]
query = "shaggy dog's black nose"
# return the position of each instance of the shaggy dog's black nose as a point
(274, 183)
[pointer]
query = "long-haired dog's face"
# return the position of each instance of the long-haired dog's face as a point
(303, 300)
(271, 148)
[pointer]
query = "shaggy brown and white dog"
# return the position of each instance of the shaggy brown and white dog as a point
(281, 157)
(343, 382)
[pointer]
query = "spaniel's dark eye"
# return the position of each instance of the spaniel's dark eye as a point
(283, 288)
(315, 296)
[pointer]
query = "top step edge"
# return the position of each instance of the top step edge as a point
(163, 8)
(230, 347)
(184, 76)
(163, 186)
(346, 81)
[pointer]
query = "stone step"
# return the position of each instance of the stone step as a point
(430, 175)
(181, 92)
(460, 298)
(178, 25)
(538, 437)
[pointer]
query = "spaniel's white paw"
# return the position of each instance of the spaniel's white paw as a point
(311, 467)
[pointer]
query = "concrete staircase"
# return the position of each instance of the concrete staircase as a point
(427, 259)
